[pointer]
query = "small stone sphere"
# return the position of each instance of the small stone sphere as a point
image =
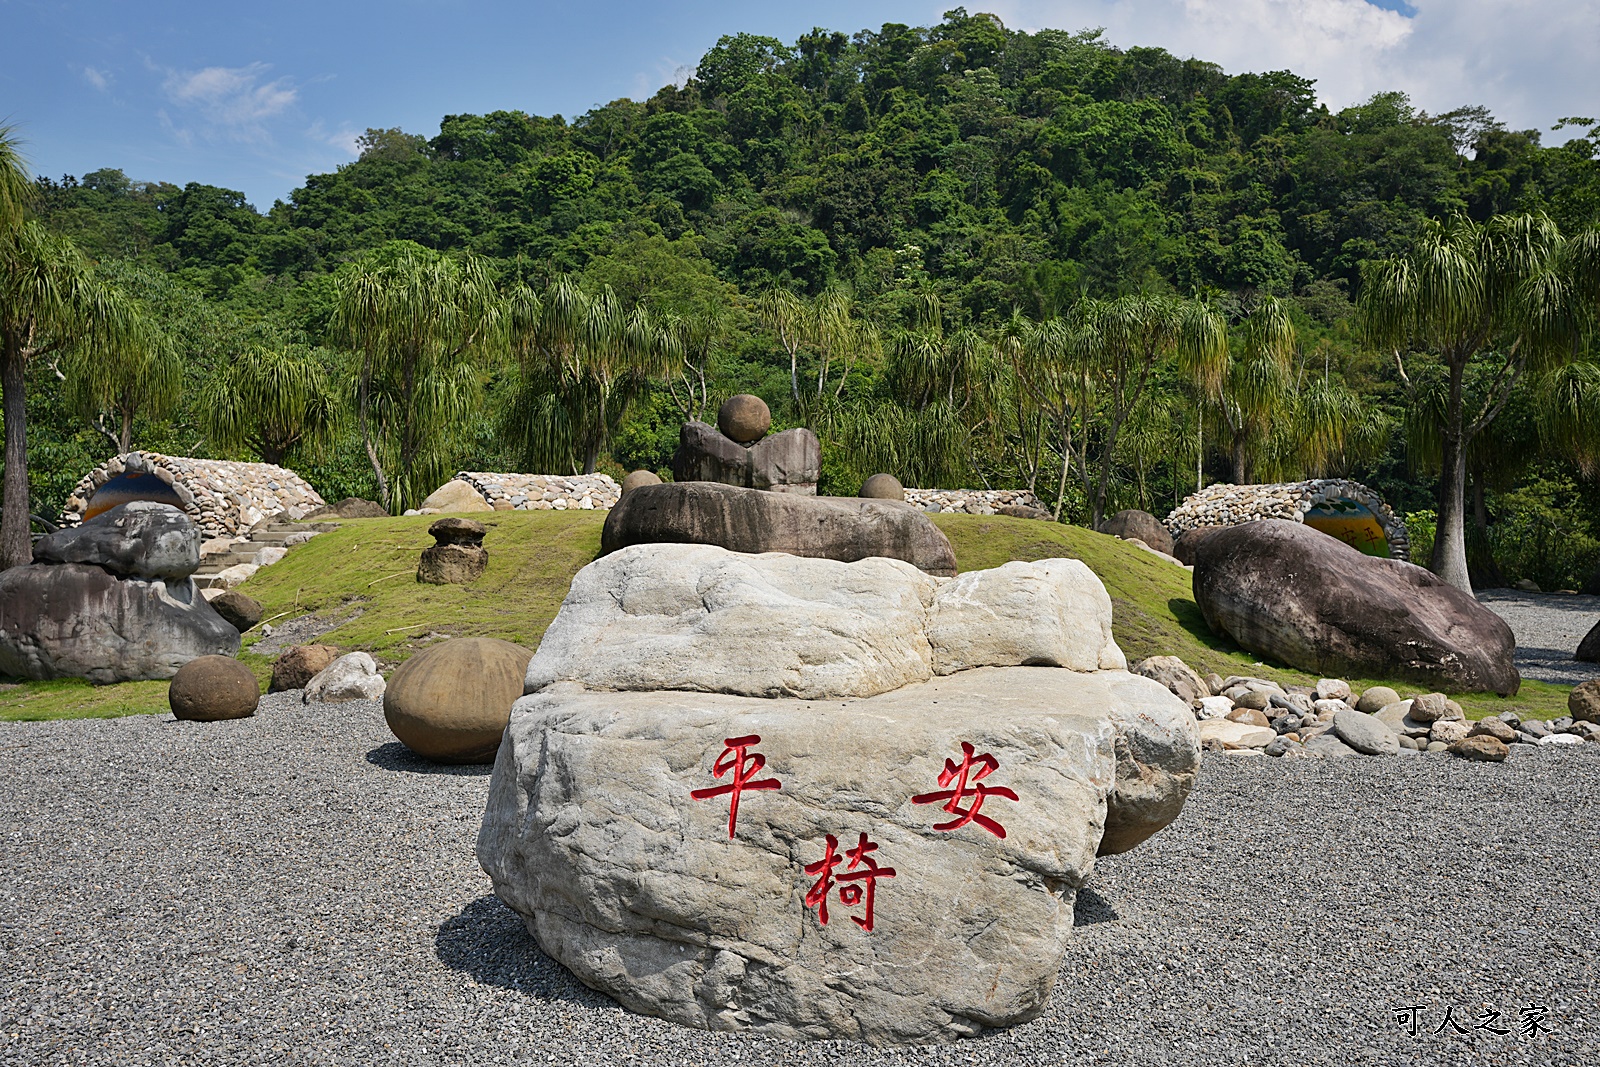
(637, 479)
(211, 688)
(450, 703)
(744, 418)
(883, 487)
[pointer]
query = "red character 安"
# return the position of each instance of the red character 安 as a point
(862, 873)
(744, 767)
(968, 777)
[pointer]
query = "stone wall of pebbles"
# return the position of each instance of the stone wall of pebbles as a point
(222, 497)
(971, 501)
(1257, 716)
(1228, 505)
(544, 492)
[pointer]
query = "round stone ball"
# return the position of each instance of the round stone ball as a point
(883, 487)
(744, 418)
(451, 702)
(637, 479)
(212, 688)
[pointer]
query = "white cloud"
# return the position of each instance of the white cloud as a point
(343, 138)
(100, 79)
(232, 101)
(1529, 61)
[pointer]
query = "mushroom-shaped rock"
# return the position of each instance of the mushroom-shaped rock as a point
(883, 487)
(212, 688)
(451, 702)
(298, 665)
(744, 418)
(458, 557)
(638, 478)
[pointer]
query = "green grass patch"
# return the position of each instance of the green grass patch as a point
(363, 576)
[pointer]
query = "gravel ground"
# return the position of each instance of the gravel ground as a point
(1548, 627)
(294, 888)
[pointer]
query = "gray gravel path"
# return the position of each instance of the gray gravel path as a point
(293, 888)
(1548, 627)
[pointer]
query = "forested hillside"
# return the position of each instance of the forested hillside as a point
(871, 231)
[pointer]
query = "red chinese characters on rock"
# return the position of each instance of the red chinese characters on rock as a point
(849, 895)
(968, 777)
(745, 766)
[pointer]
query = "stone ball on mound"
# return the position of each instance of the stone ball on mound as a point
(883, 487)
(213, 688)
(744, 418)
(639, 478)
(451, 702)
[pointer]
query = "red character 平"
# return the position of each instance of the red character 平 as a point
(744, 768)
(849, 895)
(972, 769)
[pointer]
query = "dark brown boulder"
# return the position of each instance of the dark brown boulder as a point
(75, 620)
(1285, 590)
(747, 520)
(1187, 543)
(1589, 648)
(240, 611)
(1141, 524)
(882, 487)
(213, 688)
(744, 419)
(1583, 703)
(452, 564)
(451, 702)
(705, 455)
(299, 665)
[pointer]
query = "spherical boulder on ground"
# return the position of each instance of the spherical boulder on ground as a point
(883, 487)
(450, 703)
(744, 418)
(240, 611)
(1141, 525)
(638, 478)
(213, 688)
(298, 665)
(1584, 701)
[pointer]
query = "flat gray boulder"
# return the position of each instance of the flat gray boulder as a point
(141, 538)
(1285, 590)
(752, 521)
(772, 811)
(75, 620)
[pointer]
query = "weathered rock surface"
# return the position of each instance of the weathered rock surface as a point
(1589, 648)
(240, 611)
(1583, 703)
(141, 539)
(1284, 590)
(457, 496)
(1482, 748)
(1228, 732)
(298, 665)
(676, 668)
(1142, 525)
(353, 676)
(213, 688)
(787, 462)
(746, 520)
(75, 620)
(1176, 675)
(452, 564)
(450, 702)
(705, 454)
(1051, 613)
(1365, 733)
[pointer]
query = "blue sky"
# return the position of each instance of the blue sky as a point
(256, 97)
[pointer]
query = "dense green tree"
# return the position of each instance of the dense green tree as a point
(271, 402)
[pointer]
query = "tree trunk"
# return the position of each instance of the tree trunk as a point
(16, 549)
(125, 435)
(372, 453)
(1240, 475)
(1449, 542)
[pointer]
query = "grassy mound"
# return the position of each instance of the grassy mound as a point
(361, 578)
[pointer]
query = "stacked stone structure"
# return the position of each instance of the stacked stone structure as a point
(544, 492)
(222, 497)
(1229, 505)
(971, 501)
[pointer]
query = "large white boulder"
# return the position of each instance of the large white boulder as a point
(350, 677)
(825, 698)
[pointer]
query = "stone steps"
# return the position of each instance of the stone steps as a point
(267, 536)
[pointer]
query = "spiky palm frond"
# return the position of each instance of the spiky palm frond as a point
(271, 401)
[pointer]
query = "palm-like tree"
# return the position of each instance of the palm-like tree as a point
(419, 323)
(585, 359)
(1256, 392)
(1511, 294)
(270, 401)
(1118, 344)
(51, 305)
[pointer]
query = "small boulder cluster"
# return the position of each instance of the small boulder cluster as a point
(1017, 503)
(1247, 715)
(484, 491)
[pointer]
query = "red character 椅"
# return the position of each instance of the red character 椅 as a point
(971, 769)
(744, 768)
(849, 895)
